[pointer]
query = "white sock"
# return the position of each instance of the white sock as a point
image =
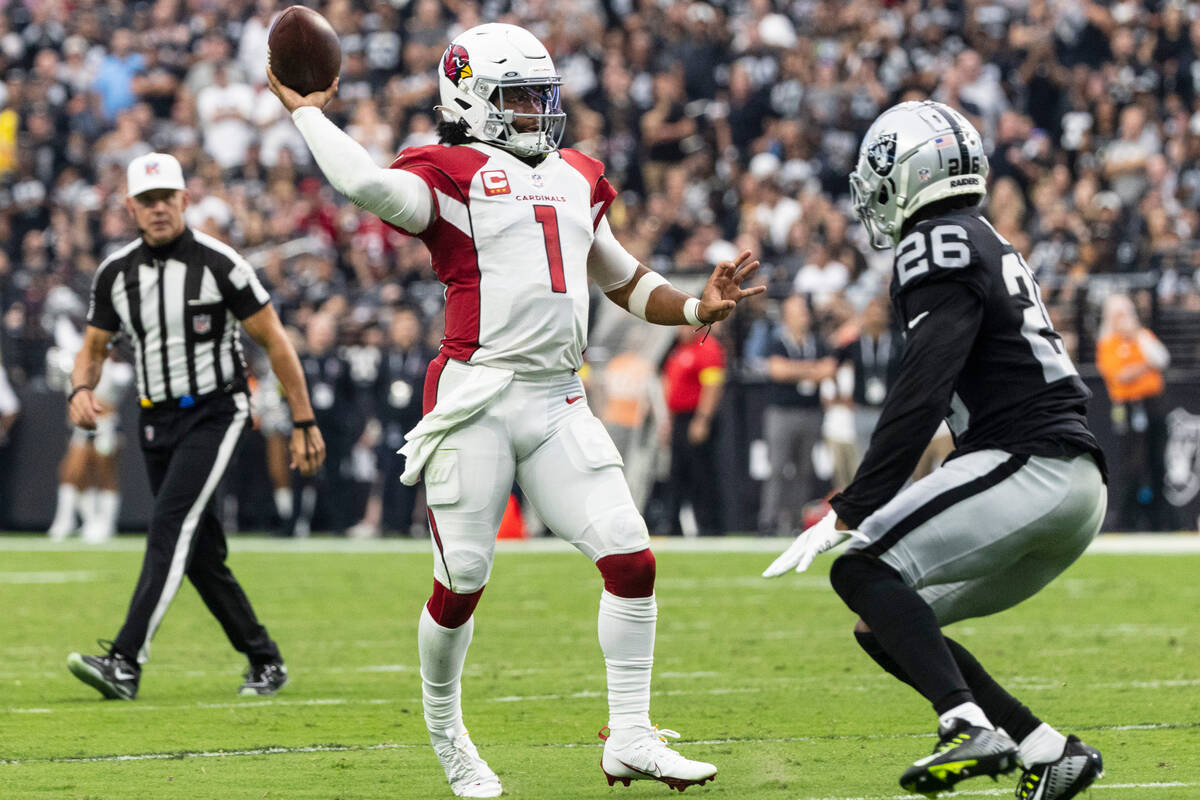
(443, 651)
(87, 505)
(283, 503)
(308, 506)
(108, 504)
(103, 524)
(626, 631)
(64, 512)
(968, 711)
(1042, 746)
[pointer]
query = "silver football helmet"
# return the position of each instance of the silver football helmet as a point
(914, 154)
(476, 69)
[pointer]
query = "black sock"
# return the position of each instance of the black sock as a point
(1002, 709)
(871, 647)
(904, 626)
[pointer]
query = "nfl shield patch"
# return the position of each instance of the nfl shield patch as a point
(202, 324)
(148, 431)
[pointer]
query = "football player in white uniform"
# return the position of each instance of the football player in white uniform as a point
(516, 227)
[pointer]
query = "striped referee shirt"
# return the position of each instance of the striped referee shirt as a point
(180, 304)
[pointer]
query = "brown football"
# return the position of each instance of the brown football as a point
(303, 50)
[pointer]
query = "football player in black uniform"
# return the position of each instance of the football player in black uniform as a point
(1017, 502)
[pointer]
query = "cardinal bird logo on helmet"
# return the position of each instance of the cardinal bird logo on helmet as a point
(456, 63)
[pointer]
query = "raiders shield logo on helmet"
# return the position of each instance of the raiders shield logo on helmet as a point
(881, 154)
(456, 64)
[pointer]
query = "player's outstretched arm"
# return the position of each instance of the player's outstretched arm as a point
(825, 535)
(651, 297)
(393, 195)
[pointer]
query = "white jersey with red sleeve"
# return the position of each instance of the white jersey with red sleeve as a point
(510, 241)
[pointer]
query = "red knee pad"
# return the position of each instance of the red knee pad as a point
(451, 610)
(628, 574)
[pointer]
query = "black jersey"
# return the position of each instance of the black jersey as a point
(400, 385)
(980, 352)
(331, 389)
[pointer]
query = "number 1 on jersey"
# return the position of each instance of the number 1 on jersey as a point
(548, 218)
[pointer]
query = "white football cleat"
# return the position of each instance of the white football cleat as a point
(645, 756)
(469, 775)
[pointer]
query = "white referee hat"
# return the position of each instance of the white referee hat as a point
(153, 171)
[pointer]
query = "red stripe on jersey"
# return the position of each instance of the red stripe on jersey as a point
(451, 170)
(456, 263)
(602, 191)
(433, 376)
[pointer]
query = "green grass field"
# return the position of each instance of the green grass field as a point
(761, 678)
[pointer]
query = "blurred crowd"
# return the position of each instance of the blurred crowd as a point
(725, 126)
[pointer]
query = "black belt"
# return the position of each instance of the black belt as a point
(191, 401)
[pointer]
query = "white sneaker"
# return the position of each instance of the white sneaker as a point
(644, 755)
(60, 530)
(469, 775)
(97, 532)
(363, 530)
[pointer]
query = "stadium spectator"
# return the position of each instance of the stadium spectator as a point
(225, 108)
(632, 408)
(1132, 359)
(398, 392)
(797, 362)
(874, 362)
(693, 377)
(114, 80)
(10, 406)
(323, 497)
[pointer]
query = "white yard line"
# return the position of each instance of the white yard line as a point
(67, 576)
(1028, 685)
(1127, 543)
(258, 751)
(337, 748)
(1100, 786)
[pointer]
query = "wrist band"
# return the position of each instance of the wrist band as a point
(304, 423)
(640, 295)
(690, 308)
(77, 390)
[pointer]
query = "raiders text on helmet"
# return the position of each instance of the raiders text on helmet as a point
(914, 154)
(483, 61)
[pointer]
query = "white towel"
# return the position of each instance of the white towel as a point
(461, 404)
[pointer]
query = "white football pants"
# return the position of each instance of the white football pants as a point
(542, 433)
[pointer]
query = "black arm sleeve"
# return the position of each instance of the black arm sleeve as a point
(937, 349)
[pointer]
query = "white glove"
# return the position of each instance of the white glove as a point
(808, 545)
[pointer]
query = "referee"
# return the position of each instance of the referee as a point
(180, 296)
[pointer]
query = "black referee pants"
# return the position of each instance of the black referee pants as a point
(187, 451)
